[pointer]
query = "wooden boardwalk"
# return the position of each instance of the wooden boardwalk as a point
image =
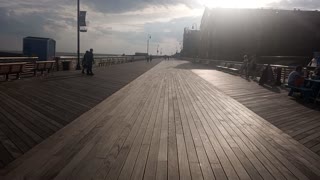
(168, 124)
(32, 109)
(296, 118)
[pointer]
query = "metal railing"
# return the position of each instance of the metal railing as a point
(280, 72)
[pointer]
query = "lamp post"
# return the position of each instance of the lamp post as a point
(158, 50)
(149, 37)
(78, 35)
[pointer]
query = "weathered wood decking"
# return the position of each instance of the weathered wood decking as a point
(298, 119)
(32, 109)
(168, 124)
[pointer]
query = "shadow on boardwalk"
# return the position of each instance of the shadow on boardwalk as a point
(32, 109)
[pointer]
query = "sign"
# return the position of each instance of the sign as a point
(82, 18)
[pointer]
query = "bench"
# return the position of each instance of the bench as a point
(236, 68)
(222, 64)
(306, 93)
(227, 66)
(12, 68)
(43, 66)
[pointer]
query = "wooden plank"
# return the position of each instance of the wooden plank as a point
(173, 167)
(162, 162)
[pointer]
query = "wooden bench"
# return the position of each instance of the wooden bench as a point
(43, 66)
(12, 68)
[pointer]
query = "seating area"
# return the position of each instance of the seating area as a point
(230, 67)
(24, 69)
(43, 66)
(104, 62)
(310, 91)
(279, 77)
(12, 68)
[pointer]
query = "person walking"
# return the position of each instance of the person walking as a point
(90, 62)
(84, 62)
(253, 67)
(244, 67)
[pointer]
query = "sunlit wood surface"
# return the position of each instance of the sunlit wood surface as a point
(295, 117)
(168, 124)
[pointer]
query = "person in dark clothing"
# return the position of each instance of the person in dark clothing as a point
(84, 62)
(90, 62)
(267, 75)
(252, 67)
(150, 58)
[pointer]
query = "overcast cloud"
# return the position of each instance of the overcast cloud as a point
(114, 26)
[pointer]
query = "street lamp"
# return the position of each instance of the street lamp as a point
(149, 37)
(78, 35)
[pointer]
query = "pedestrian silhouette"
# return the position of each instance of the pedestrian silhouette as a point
(84, 62)
(90, 62)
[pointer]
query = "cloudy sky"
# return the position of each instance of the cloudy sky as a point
(116, 26)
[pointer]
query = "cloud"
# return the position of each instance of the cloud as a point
(122, 31)
(120, 6)
(298, 4)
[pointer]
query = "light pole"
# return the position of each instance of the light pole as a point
(149, 37)
(78, 35)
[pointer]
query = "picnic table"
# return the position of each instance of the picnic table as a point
(310, 89)
(315, 86)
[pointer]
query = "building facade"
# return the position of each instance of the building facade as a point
(229, 34)
(191, 43)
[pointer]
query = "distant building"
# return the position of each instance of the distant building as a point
(43, 48)
(141, 54)
(231, 33)
(191, 43)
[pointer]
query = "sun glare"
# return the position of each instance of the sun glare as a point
(234, 3)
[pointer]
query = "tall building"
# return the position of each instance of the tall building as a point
(231, 33)
(191, 43)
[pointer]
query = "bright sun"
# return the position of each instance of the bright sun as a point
(234, 3)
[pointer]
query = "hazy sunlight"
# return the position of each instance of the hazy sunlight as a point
(235, 3)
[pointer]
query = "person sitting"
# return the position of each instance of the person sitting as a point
(253, 67)
(296, 77)
(244, 67)
(316, 74)
(313, 63)
(296, 82)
